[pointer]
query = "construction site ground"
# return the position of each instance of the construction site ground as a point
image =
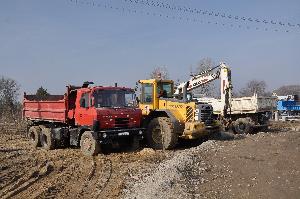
(262, 165)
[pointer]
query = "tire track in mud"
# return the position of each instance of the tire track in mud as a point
(103, 182)
(74, 181)
(97, 179)
(27, 180)
(59, 183)
(10, 170)
(72, 175)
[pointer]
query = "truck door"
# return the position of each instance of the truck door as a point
(84, 114)
(147, 98)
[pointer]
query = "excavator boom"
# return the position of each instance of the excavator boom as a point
(201, 79)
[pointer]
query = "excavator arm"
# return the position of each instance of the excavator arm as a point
(221, 72)
(199, 80)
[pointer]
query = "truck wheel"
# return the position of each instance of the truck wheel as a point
(88, 144)
(243, 126)
(160, 134)
(47, 139)
(34, 136)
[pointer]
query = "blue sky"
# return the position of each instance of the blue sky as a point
(52, 43)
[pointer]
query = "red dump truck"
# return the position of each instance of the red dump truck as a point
(86, 117)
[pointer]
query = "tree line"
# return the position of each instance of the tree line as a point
(11, 105)
(10, 102)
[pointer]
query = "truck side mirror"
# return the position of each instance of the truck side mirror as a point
(137, 100)
(92, 101)
(82, 102)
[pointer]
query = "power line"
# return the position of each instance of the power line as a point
(194, 19)
(184, 9)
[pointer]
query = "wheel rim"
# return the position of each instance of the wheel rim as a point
(157, 135)
(242, 126)
(87, 144)
(45, 140)
(32, 136)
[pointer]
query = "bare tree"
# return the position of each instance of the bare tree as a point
(9, 92)
(160, 72)
(208, 89)
(288, 90)
(255, 86)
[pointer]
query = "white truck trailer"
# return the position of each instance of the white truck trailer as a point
(245, 114)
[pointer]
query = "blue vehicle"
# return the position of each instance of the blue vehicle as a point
(288, 107)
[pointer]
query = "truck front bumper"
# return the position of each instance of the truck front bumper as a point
(108, 135)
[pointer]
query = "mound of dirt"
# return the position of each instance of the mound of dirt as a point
(263, 165)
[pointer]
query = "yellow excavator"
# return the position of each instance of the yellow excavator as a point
(168, 117)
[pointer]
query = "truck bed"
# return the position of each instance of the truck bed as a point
(52, 108)
(243, 105)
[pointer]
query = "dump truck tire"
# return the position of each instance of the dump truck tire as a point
(243, 126)
(89, 144)
(160, 134)
(34, 136)
(47, 139)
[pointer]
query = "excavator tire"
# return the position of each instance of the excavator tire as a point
(89, 145)
(34, 136)
(47, 139)
(243, 126)
(160, 134)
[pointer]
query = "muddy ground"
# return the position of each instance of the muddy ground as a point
(263, 165)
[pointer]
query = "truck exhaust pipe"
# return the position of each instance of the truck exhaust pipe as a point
(86, 84)
(184, 92)
(116, 84)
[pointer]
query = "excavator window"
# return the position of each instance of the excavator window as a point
(165, 89)
(147, 93)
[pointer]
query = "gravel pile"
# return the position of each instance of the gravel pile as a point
(172, 178)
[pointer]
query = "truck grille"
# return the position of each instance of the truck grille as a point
(205, 113)
(121, 122)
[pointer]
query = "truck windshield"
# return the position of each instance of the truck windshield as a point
(114, 98)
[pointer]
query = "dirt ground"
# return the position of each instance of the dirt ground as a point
(263, 165)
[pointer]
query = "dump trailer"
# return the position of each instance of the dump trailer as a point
(168, 119)
(245, 114)
(86, 117)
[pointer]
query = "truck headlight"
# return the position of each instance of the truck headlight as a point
(197, 111)
(104, 135)
(140, 132)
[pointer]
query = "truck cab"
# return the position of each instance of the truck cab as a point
(151, 91)
(106, 108)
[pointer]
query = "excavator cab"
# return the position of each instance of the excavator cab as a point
(151, 91)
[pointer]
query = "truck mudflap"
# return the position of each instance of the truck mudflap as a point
(108, 135)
